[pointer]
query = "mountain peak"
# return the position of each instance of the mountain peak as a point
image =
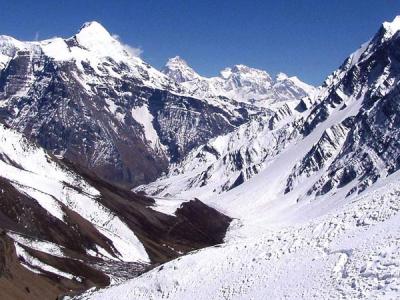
(240, 68)
(387, 30)
(93, 27)
(281, 76)
(93, 35)
(176, 60)
(178, 69)
(248, 74)
(393, 26)
(249, 71)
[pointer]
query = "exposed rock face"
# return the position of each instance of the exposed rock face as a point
(87, 99)
(77, 231)
(17, 282)
(344, 136)
(363, 96)
(227, 161)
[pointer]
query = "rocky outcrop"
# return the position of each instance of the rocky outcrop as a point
(87, 99)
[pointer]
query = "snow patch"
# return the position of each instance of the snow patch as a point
(142, 115)
(35, 265)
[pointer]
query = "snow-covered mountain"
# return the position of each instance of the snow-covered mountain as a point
(306, 179)
(241, 83)
(320, 219)
(64, 229)
(88, 99)
(344, 136)
(227, 161)
(351, 251)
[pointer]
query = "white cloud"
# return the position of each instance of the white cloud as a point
(134, 51)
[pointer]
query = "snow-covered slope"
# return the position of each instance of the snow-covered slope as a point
(56, 189)
(57, 222)
(351, 251)
(343, 137)
(86, 98)
(240, 83)
(321, 218)
(81, 98)
(71, 228)
(227, 161)
(92, 45)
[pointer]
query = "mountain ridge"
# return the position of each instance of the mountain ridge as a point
(88, 88)
(61, 225)
(240, 82)
(287, 190)
(320, 218)
(325, 127)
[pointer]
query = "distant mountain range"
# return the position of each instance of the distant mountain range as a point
(89, 100)
(240, 83)
(110, 168)
(344, 134)
(313, 187)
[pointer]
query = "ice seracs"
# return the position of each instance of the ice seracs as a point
(311, 176)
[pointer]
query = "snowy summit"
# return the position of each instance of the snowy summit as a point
(240, 83)
(120, 181)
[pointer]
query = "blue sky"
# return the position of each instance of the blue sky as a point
(305, 38)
